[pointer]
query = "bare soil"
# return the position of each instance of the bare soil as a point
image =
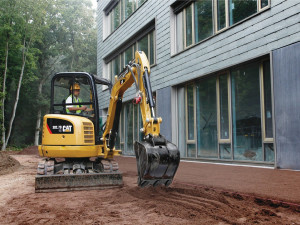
(7, 163)
(182, 203)
(31, 150)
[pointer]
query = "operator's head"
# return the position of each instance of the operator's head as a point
(76, 90)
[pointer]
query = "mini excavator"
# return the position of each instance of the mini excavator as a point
(78, 150)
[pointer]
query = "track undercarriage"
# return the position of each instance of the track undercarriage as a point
(77, 174)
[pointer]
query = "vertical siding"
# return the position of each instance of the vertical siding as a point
(286, 75)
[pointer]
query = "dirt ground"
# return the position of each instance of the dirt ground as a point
(7, 163)
(178, 204)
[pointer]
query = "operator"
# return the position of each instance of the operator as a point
(74, 108)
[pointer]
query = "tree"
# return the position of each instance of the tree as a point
(70, 39)
(37, 39)
(7, 20)
(29, 28)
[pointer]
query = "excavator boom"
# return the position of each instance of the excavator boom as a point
(157, 158)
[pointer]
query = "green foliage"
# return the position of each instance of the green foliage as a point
(57, 35)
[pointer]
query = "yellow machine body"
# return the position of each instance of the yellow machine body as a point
(76, 140)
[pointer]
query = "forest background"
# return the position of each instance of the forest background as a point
(37, 39)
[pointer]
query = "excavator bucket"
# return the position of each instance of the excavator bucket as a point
(157, 163)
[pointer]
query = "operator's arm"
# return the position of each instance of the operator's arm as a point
(79, 108)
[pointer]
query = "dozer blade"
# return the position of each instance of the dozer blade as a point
(72, 182)
(80, 174)
(156, 163)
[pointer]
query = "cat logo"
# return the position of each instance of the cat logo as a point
(67, 128)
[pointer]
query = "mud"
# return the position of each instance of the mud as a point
(178, 204)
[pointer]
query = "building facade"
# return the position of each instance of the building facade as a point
(225, 73)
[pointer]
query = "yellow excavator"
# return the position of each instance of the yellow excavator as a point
(78, 149)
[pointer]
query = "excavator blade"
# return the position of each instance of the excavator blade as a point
(69, 175)
(156, 163)
(77, 182)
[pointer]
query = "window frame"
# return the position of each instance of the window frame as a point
(109, 67)
(216, 31)
(184, 26)
(215, 24)
(110, 16)
(229, 141)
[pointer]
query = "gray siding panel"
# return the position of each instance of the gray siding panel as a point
(286, 75)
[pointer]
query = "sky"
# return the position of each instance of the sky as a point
(94, 4)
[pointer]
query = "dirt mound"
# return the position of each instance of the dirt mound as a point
(32, 150)
(7, 164)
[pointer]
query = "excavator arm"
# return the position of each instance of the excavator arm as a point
(157, 158)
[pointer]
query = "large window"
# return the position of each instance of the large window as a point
(203, 18)
(146, 44)
(229, 115)
(121, 10)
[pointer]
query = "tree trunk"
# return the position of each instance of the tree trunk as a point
(38, 127)
(17, 95)
(3, 99)
(39, 115)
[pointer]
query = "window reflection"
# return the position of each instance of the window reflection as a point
(246, 113)
(143, 45)
(267, 100)
(179, 32)
(128, 128)
(190, 112)
(203, 20)
(240, 122)
(206, 112)
(241, 9)
(188, 24)
(128, 55)
(264, 3)
(269, 152)
(116, 17)
(225, 151)
(224, 120)
(221, 14)
(191, 150)
(129, 4)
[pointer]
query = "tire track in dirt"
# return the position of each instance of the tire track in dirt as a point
(185, 205)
